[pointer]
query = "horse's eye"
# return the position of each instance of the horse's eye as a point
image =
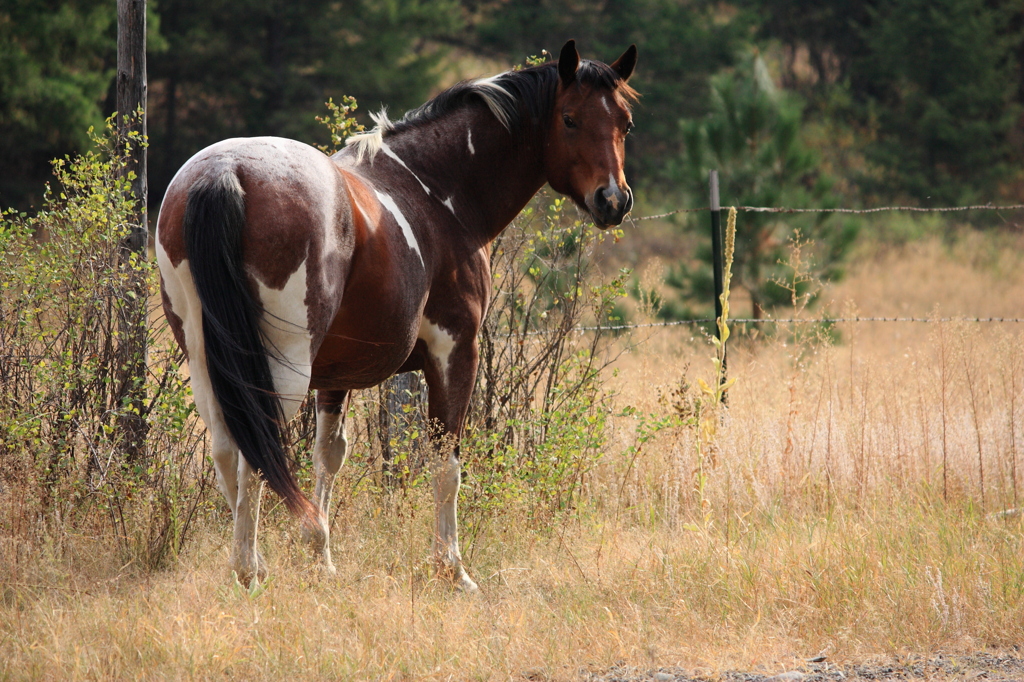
(629, 127)
(567, 120)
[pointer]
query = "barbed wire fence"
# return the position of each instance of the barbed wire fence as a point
(714, 209)
(717, 247)
(860, 211)
(779, 321)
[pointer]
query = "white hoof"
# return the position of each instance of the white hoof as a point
(250, 569)
(465, 584)
(457, 577)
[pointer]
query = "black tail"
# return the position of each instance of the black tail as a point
(236, 356)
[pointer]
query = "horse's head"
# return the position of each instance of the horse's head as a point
(585, 145)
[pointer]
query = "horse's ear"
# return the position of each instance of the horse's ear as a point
(568, 62)
(625, 64)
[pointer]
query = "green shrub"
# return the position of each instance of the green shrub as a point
(68, 304)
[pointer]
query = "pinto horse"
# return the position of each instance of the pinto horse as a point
(283, 270)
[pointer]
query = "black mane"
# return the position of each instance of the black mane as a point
(525, 96)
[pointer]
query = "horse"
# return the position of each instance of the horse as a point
(284, 270)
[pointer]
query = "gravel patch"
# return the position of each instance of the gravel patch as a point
(1005, 667)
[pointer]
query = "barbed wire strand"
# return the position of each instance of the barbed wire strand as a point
(880, 209)
(788, 320)
(711, 320)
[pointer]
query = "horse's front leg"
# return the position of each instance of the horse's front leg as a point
(450, 371)
(447, 557)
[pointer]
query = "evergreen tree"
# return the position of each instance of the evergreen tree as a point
(943, 76)
(57, 62)
(753, 138)
(933, 86)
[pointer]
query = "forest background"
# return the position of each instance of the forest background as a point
(893, 100)
(799, 103)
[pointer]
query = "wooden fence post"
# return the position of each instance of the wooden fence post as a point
(398, 393)
(132, 89)
(131, 118)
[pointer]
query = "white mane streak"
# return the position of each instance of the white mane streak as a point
(367, 144)
(492, 94)
(499, 100)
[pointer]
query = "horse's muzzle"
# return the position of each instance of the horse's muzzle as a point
(609, 205)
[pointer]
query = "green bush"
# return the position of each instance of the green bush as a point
(539, 414)
(69, 308)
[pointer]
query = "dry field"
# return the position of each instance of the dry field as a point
(857, 501)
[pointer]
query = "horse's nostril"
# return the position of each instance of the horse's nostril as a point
(609, 204)
(613, 197)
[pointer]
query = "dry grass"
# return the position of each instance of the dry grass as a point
(851, 509)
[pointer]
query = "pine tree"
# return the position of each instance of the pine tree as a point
(57, 62)
(753, 138)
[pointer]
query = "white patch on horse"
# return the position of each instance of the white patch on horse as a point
(181, 292)
(439, 344)
(285, 327)
(390, 205)
(613, 187)
(391, 153)
(604, 101)
(448, 202)
(446, 500)
(265, 158)
(469, 141)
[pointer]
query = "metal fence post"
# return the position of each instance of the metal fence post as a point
(717, 249)
(717, 256)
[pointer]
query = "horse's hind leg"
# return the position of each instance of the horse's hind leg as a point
(237, 480)
(241, 485)
(288, 341)
(329, 454)
(246, 559)
(291, 383)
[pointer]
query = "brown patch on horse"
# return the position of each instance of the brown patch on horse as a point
(173, 320)
(362, 346)
(278, 239)
(172, 211)
(366, 210)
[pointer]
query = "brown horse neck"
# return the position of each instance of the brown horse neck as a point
(471, 161)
